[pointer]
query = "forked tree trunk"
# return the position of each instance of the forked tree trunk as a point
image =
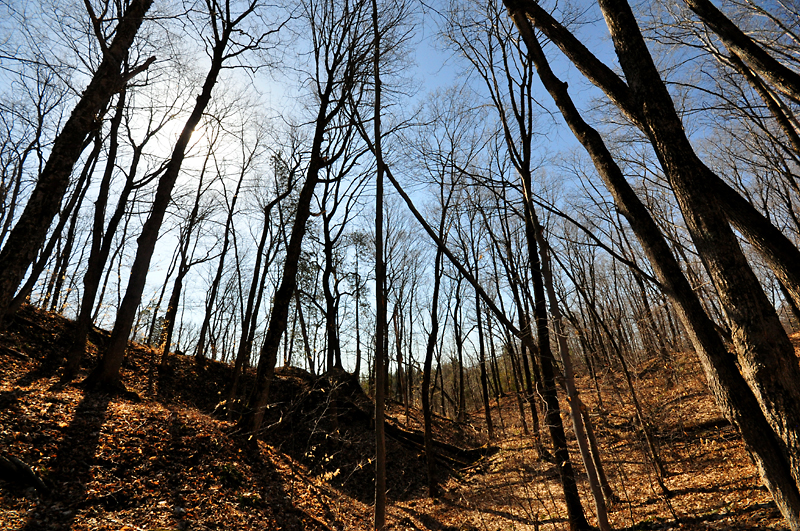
(783, 78)
(776, 249)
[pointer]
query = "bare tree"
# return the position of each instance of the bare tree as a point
(31, 228)
(341, 50)
(229, 39)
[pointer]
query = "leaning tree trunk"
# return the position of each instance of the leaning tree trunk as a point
(106, 374)
(748, 51)
(765, 354)
(727, 385)
(31, 229)
(777, 250)
(251, 421)
(82, 186)
(98, 256)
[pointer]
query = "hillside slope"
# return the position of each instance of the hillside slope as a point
(172, 462)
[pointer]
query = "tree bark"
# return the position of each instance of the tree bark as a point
(82, 186)
(729, 388)
(430, 452)
(29, 233)
(764, 351)
(200, 351)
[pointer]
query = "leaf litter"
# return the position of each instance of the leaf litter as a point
(173, 462)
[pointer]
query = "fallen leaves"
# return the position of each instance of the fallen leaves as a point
(163, 464)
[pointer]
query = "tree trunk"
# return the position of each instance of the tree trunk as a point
(573, 398)
(31, 229)
(764, 351)
(334, 350)
(487, 412)
(728, 387)
(254, 297)
(268, 357)
(785, 79)
(430, 452)
(81, 187)
(577, 518)
(107, 373)
(379, 522)
(778, 251)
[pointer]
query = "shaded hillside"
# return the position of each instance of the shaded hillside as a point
(173, 462)
(127, 459)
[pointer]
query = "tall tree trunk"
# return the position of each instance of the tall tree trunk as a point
(100, 251)
(766, 355)
(577, 518)
(573, 398)
(430, 451)
(379, 522)
(183, 268)
(487, 412)
(357, 370)
(168, 325)
(254, 297)
(106, 374)
(29, 233)
(268, 356)
(730, 390)
(458, 376)
(334, 350)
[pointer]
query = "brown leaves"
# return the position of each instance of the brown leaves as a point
(163, 464)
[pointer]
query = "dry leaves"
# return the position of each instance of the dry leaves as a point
(166, 463)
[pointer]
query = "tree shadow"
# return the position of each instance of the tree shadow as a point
(43, 370)
(239, 469)
(512, 517)
(429, 521)
(711, 520)
(71, 470)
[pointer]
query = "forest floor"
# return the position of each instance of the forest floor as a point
(169, 460)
